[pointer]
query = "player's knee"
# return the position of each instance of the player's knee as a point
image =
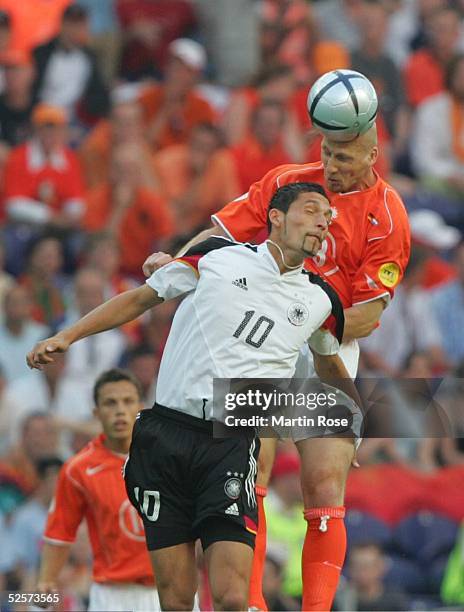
(324, 487)
(174, 597)
(232, 599)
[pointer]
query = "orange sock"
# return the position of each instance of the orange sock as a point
(323, 556)
(255, 597)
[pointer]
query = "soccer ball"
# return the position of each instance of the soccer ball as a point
(342, 104)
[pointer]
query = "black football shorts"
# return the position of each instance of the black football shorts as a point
(185, 484)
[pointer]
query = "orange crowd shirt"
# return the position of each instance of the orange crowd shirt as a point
(34, 22)
(147, 220)
(195, 110)
(29, 174)
(423, 77)
(91, 486)
(367, 249)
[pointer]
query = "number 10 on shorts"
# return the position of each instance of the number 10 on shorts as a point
(150, 506)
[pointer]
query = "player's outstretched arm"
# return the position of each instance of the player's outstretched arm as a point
(361, 320)
(52, 561)
(113, 313)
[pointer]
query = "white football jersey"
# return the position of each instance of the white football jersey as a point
(241, 319)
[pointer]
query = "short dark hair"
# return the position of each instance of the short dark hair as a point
(287, 194)
(115, 375)
(46, 463)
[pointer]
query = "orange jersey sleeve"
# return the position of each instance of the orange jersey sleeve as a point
(67, 508)
(244, 217)
(386, 254)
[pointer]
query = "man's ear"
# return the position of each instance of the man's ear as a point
(374, 154)
(275, 216)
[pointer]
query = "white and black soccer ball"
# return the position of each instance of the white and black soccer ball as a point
(342, 104)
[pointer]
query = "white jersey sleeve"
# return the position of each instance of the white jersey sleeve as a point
(174, 279)
(324, 342)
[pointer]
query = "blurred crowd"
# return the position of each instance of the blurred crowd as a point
(123, 125)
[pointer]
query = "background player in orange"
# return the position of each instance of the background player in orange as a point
(363, 258)
(91, 486)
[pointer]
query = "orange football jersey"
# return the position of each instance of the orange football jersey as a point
(367, 248)
(91, 486)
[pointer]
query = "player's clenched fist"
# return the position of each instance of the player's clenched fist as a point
(154, 262)
(43, 351)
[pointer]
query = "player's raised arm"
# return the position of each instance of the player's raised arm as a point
(113, 313)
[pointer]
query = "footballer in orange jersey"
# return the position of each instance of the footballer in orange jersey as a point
(91, 487)
(363, 258)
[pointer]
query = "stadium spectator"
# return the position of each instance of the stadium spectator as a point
(33, 21)
(91, 487)
(367, 568)
(6, 280)
(437, 239)
(339, 20)
(17, 332)
(38, 439)
(195, 177)
(7, 408)
(424, 72)
(16, 101)
(67, 74)
(275, 83)
(265, 147)
(92, 356)
(105, 35)
(43, 278)
(234, 51)
(28, 523)
(408, 325)
(172, 109)
(125, 207)
(451, 321)
(286, 526)
(288, 35)
(124, 126)
(370, 59)
(436, 150)
(43, 182)
(149, 28)
(142, 362)
(272, 585)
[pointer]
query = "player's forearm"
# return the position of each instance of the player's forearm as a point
(53, 559)
(332, 371)
(115, 312)
(361, 320)
(216, 230)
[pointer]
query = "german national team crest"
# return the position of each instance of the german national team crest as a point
(232, 487)
(297, 314)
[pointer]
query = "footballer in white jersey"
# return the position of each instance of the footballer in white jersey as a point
(248, 312)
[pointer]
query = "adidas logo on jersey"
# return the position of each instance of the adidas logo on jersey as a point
(233, 509)
(240, 282)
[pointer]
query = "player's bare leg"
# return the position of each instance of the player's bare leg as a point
(229, 568)
(325, 463)
(265, 462)
(176, 576)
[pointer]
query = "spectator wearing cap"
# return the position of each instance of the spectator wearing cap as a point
(448, 308)
(16, 101)
(34, 22)
(195, 178)
(137, 216)
(437, 149)
(429, 230)
(173, 108)
(148, 29)
(67, 74)
(125, 125)
(286, 527)
(43, 182)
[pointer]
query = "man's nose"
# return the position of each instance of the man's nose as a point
(322, 222)
(331, 166)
